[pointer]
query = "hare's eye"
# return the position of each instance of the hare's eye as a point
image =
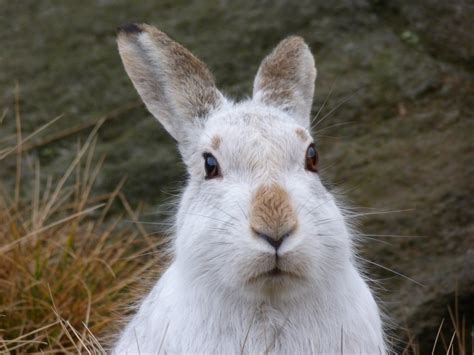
(312, 158)
(211, 166)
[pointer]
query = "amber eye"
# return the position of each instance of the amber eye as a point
(211, 166)
(312, 158)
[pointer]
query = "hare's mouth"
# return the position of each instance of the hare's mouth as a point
(275, 274)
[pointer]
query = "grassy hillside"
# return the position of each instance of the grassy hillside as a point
(396, 92)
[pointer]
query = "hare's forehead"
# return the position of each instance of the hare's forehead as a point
(249, 129)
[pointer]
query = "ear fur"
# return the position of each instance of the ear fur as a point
(176, 87)
(286, 79)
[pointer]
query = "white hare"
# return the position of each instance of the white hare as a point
(263, 259)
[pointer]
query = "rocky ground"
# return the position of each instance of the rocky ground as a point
(401, 140)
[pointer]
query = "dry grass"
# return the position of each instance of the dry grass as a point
(451, 337)
(68, 269)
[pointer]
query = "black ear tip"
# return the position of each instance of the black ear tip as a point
(129, 28)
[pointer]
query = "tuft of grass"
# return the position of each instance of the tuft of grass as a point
(451, 336)
(69, 269)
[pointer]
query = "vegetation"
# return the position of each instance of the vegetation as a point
(69, 271)
(394, 99)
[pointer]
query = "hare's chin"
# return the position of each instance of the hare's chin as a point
(275, 283)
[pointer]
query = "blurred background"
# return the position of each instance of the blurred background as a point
(394, 91)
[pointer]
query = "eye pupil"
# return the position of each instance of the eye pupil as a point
(312, 158)
(211, 166)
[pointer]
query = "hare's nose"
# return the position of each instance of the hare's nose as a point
(272, 217)
(274, 241)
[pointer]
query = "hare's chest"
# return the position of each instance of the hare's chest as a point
(246, 331)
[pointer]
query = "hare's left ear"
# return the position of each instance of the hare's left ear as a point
(286, 79)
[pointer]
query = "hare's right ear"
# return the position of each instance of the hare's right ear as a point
(286, 78)
(176, 87)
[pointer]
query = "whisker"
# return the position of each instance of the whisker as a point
(391, 270)
(242, 210)
(223, 230)
(392, 236)
(310, 211)
(150, 223)
(327, 167)
(339, 191)
(325, 100)
(336, 107)
(167, 209)
(377, 213)
(300, 206)
(328, 220)
(322, 129)
(220, 242)
(377, 240)
(221, 210)
(322, 136)
(177, 194)
(215, 219)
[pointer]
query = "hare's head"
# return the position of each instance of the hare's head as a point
(254, 217)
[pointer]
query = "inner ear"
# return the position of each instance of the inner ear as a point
(286, 79)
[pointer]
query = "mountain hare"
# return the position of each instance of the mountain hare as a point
(263, 259)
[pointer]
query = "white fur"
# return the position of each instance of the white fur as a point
(205, 303)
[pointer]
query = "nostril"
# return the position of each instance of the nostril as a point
(274, 242)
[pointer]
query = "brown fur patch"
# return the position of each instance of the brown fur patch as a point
(271, 212)
(301, 133)
(286, 77)
(216, 142)
(189, 75)
(279, 70)
(166, 74)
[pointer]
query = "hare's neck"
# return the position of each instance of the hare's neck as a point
(232, 308)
